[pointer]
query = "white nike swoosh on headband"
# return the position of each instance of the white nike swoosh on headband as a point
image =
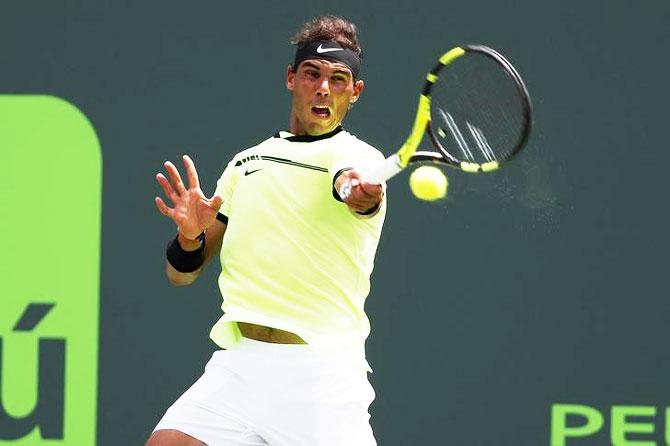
(321, 50)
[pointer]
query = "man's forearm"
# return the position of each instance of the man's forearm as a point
(212, 245)
(177, 278)
(185, 259)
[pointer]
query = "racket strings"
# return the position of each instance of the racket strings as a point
(476, 110)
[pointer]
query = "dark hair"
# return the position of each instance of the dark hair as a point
(329, 27)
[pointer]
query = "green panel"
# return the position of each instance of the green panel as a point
(50, 193)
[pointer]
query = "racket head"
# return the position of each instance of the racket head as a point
(480, 109)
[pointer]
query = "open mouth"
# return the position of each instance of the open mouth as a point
(321, 111)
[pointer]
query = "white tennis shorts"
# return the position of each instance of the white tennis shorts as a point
(259, 393)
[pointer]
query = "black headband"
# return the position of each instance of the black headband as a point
(329, 50)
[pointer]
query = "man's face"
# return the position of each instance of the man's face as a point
(322, 93)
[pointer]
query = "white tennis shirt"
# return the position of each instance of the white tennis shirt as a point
(293, 257)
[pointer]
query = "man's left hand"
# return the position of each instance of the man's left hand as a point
(364, 197)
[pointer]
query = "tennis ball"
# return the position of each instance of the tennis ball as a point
(428, 183)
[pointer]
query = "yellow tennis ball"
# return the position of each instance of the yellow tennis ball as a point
(428, 183)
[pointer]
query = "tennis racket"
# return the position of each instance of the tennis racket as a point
(476, 111)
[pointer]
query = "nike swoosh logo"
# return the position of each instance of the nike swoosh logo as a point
(249, 172)
(322, 50)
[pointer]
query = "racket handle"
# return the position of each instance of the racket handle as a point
(389, 168)
(385, 171)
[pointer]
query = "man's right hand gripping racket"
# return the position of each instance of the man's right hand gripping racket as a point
(476, 111)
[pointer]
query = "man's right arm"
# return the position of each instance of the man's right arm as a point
(213, 240)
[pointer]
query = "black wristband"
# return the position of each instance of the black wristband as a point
(372, 210)
(185, 261)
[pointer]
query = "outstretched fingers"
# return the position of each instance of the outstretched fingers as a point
(175, 178)
(187, 203)
(177, 217)
(167, 187)
(163, 208)
(191, 172)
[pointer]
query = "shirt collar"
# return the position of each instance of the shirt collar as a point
(307, 138)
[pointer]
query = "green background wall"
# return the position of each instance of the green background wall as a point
(541, 284)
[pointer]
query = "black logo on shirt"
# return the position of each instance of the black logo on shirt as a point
(274, 159)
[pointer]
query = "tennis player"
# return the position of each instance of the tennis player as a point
(296, 263)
